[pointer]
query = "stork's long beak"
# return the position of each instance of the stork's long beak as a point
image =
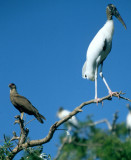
(117, 15)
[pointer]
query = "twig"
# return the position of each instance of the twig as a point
(110, 127)
(114, 121)
(101, 121)
(127, 99)
(29, 122)
(60, 148)
(15, 137)
(5, 138)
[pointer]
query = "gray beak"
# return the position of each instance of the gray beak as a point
(117, 15)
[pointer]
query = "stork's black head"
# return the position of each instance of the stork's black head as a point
(60, 109)
(111, 10)
(12, 86)
(129, 107)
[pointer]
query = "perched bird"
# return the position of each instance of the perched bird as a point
(128, 119)
(99, 48)
(63, 113)
(23, 104)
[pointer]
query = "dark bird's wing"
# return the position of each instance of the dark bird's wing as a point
(24, 105)
(39, 117)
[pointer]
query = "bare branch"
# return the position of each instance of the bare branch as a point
(114, 121)
(125, 98)
(15, 137)
(110, 127)
(24, 132)
(60, 148)
(29, 122)
(54, 127)
(101, 121)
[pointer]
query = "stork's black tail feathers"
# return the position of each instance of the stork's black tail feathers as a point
(40, 117)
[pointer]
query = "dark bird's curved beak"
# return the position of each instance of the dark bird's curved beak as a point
(117, 15)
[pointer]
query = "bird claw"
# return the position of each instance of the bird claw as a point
(97, 100)
(114, 94)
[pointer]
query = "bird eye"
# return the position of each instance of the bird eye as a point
(12, 84)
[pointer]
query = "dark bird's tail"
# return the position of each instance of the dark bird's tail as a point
(40, 117)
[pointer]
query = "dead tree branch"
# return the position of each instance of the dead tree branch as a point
(110, 127)
(60, 148)
(101, 121)
(114, 122)
(15, 137)
(24, 132)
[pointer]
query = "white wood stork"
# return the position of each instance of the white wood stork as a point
(72, 121)
(128, 119)
(99, 48)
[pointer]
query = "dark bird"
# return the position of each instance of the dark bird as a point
(23, 104)
(99, 49)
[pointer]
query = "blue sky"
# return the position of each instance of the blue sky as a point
(43, 47)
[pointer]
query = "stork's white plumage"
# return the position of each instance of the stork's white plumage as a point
(128, 119)
(62, 113)
(99, 48)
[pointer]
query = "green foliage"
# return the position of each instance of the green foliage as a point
(35, 153)
(32, 153)
(5, 148)
(91, 143)
(76, 152)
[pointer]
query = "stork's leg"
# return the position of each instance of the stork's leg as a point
(96, 98)
(22, 114)
(96, 83)
(101, 75)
